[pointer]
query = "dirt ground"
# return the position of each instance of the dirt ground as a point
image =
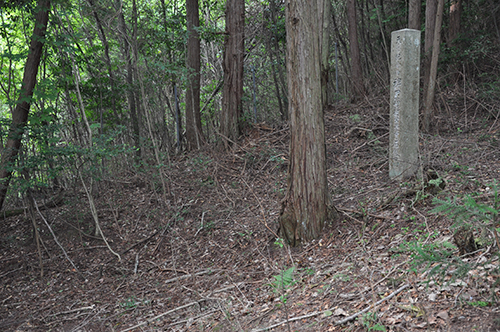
(208, 258)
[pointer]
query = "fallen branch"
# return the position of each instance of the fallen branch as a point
(163, 314)
(188, 276)
(96, 219)
(376, 216)
(92, 307)
(51, 203)
(340, 322)
(59, 244)
(397, 291)
(316, 313)
(192, 319)
(133, 246)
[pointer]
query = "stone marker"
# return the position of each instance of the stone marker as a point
(405, 78)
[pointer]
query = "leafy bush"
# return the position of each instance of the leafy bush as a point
(467, 213)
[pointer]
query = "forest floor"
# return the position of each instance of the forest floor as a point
(208, 258)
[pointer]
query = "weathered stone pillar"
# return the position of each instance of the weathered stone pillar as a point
(405, 78)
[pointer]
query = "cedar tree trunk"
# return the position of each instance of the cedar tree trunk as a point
(234, 52)
(305, 207)
(356, 71)
(194, 134)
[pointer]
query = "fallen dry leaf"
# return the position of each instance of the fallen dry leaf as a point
(443, 315)
(340, 312)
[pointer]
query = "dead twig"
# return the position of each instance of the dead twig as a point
(192, 319)
(261, 209)
(188, 276)
(340, 322)
(376, 216)
(57, 241)
(96, 219)
(397, 291)
(163, 314)
(135, 245)
(92, 307)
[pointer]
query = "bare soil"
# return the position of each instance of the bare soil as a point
(207, 258)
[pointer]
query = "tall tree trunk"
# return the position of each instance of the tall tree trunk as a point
(234, 52)
(272, 45)
(21, 111)
(131, 96)
(430, 25)
(358, 87)
(135, 68)
(306, 204)
(455, 13)
(324, 17)
(107, 59)
(430, 89)
(194, 135)
(414, 10)
(343, 58)
(176, 114)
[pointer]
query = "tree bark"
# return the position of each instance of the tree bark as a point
(131, 96)
(107, 59)
(194, 135)
(272, 44)
(324, 17)
(21, 111)
(358, 87)
(430, 89)
(414, 14)
(306, 204)
(455, 13)
(430, 25)
(234, 52)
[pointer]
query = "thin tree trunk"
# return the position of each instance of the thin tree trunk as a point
(431, 87)
(21, 111)
(358, 87)
(306, 205)
(107, 59)
(430, 25)
(135, 66)
(343, 54)
(131, 98)
(272, 45)
(414, 10)
(324, 17)
(455, 13)
(176, 111)
(234, 52)
(194, 135)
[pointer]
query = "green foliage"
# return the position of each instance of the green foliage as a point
(370, 321)
(479, 303)
(466, 212)
(282, 282)
(199, 162)
(130, 303)
(437, 258)
(49, 158)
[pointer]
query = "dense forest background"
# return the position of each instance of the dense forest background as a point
(113, 176)
(111, 90)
